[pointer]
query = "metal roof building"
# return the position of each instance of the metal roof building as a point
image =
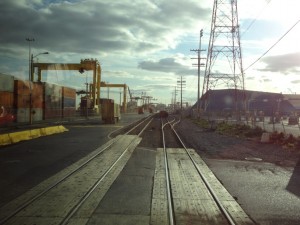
(232, 100)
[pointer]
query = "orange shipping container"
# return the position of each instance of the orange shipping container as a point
(38, 89)
(38, 95)
(7, 100)
(70, 112)
(22, 87)
(69, 92)
(22, 101)
(52, 113)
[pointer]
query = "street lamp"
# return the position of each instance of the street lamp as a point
(31, 64)
(29, 56)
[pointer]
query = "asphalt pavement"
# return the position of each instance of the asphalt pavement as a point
(267, 192)
(26, 163)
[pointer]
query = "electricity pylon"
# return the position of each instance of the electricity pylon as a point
(224, 67)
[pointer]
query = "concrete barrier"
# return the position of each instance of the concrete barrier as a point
(35, 133)
(11, 138)
(20, 136)
(4, 139)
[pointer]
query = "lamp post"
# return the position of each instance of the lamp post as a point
(29, 56)
(31, 80)
(31, 64)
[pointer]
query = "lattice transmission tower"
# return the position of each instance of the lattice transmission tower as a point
(224, 67)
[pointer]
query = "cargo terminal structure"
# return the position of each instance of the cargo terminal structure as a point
(28, 101)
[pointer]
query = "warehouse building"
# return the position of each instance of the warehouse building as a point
(225, 100)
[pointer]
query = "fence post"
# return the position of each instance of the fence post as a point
(283, 127)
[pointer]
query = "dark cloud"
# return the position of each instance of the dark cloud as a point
(286, 64)
(168, 65)
(97, 26)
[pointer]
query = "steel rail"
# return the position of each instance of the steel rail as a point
(145, 127)
(214, 195)
(143, 119)
(28, 202)
(92, 189)
(138, 124)
(51, 186)
(169, 195)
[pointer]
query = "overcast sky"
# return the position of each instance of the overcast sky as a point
(146, 43)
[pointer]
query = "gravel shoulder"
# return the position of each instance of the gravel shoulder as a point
(210, 144)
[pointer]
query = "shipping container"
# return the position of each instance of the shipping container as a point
(69, 102)
(69, 92)
(6, 107)
(38, 95)
(69, 107)
(6, 83)
(37, 114)
(110, 111)
(7, 100)
(22, 101)
(52, 101)
(22, 115)
(22, 87)
(54, 113)
(69, 112)
(26, 92)
(53, 90)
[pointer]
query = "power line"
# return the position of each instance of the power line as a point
(254, 20)
(273, 45)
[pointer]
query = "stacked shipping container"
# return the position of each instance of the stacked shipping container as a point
(7, 93)
(68, 102)
(53, 101)
(28, 98)
(43, 100)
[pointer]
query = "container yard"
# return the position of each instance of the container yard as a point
(27, 102)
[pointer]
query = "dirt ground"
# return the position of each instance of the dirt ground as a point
(210, 144)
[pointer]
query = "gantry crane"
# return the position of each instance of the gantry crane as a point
(86, 64)
(124, 86)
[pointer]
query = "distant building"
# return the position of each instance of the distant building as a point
(253, 101)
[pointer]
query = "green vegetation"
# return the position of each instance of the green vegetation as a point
(225, 128)
(202, 123)
(288, 142)
(241, 130)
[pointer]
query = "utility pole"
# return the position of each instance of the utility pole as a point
(29, 58)
(198, 65)
(181, 83)
(175, 100)
(29, 78)
(224, 57)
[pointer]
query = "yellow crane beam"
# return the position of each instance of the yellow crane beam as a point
(87, 64)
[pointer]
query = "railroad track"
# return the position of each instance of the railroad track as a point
(186, 191)
(68, 196)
